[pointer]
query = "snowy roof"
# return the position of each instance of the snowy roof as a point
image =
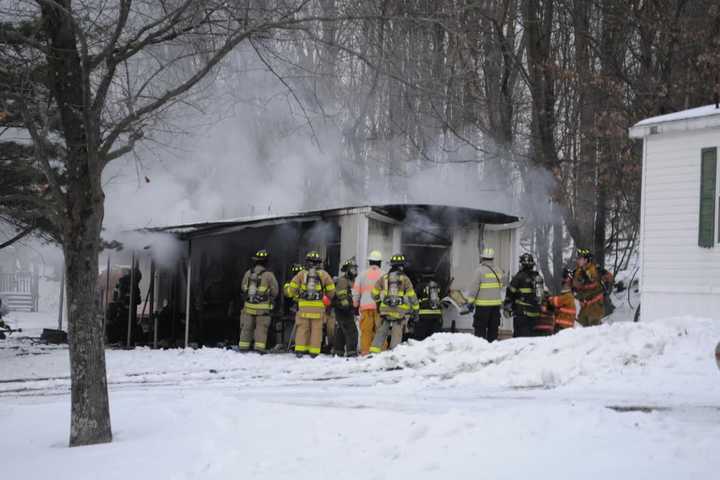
(707, 116)
(391, 211)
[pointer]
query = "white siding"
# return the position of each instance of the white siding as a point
(678, 276)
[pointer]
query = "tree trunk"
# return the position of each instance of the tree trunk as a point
(82, 223)
(90, 409)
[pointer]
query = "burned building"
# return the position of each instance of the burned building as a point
(204, 283)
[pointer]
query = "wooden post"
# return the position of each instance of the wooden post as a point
(152, 302)
(62, 298)
(187, 294)
(132, 300)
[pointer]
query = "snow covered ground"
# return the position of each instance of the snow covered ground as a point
(625, 400)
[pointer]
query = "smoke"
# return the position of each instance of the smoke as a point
(257, 155)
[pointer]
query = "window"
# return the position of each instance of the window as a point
(708, 199)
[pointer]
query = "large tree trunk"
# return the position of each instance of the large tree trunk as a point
(82, 223)
(90, 410)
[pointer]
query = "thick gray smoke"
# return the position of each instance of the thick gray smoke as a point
(252, 152)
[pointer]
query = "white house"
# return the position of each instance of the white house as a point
(680, 214)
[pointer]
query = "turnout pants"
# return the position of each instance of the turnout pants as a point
(369, 323)
(346, 334)
(253, 329)
(387, 326)
(591, 315)
(523, 325)
(486, 322)
(308, 335)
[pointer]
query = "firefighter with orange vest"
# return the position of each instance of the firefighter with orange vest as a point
(487, 285)
(397, 301)
(564, 304)
(259, 288)
(313, 289)
(364, 302)
(588, 289)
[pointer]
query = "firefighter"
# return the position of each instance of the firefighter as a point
(313, 287)
(363, 300)
(564, 303)
(487, 285)
(588, 289)
(397, 301)
(523, 297)
(259, 289)
(345, 341)
(289, 304)
(430, 313)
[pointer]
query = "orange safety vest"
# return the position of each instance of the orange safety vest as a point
(565, 312)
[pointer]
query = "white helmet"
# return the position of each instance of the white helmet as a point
(488, 253)
(375, 256)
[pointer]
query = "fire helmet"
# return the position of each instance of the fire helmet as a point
(375, 256)
(488, 253)
(398, 260)
(527, 260)
(585, 253)
(261, 256)
(313, 258)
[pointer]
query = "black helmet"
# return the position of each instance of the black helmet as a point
(527, 260)
(398, 260)
(261, 255)
(296, 268)
(313, 258)
(348, 265)
(585, 253)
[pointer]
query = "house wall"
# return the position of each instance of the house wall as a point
(678, 276)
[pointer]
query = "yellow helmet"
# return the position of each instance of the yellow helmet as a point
(488, 253)
(375, 256)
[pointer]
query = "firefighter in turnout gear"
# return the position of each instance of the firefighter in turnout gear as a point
(523, 297)
(564, 304)
(259, 288)
(430, 313)
(487, 286)
(588, 289)
(397, 301)
(363, 300)
(310, 287)
(345, 340)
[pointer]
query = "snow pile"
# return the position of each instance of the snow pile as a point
(580, 355)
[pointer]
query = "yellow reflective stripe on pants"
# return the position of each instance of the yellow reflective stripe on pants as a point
(490, 285)
(301, 348)
(488, 303)
(526, 290)
(259, 346)
(244, 345)
(314, 350)
(430, 312)
(375, 350)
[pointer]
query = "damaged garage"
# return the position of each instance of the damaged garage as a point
(203, 283)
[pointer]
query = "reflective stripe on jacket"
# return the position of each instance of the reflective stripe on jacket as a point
(312, 309)
(267, 288)
(565, 312)
(406, 294)
(487, 286)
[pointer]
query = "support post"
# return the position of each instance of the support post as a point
(187, 294)
(152, 302)
(131, 305)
